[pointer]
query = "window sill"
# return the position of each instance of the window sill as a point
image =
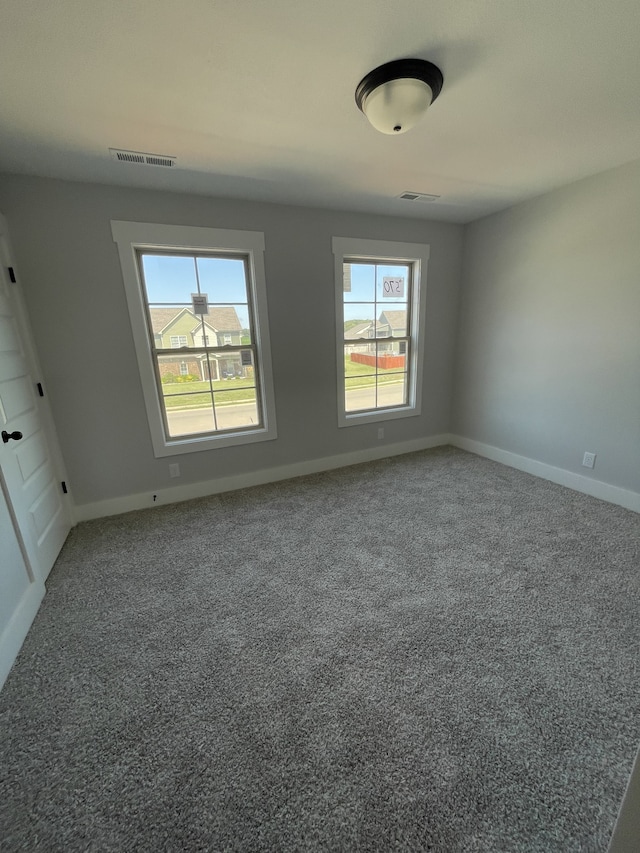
(182, 446)
(358, 418)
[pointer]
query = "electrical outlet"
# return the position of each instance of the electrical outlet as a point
(380, 432)
(174, 470)
(589, 460)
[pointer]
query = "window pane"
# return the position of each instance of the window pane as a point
(392, 283)
(228, 367)
(175, 326)
(360, 360)
(391, 356)
(185, 416)
(359, 320)
(360, 393)
(236, 409)
(223, 279)
(392, 323)
(359, 282)
(235, 367)
(227, 324)
(169, 278)
(181, 372)
(392, 390)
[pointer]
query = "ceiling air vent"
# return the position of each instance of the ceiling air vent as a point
(408, 196)
(142, 157)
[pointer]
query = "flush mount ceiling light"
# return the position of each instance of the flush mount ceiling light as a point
(395, 96)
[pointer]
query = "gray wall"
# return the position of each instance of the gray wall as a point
(548, 358)
(73, 287)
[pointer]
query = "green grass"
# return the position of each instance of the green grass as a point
(366, 374)
(235, 393)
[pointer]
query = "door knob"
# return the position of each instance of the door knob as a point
(16, 436)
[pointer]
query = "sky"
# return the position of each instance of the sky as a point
(367, 298)
(171, 279)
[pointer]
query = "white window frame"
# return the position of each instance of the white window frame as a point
(383, 251)
(133, 236)
(177, 338)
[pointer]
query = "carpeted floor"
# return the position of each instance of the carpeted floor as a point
(431, 652)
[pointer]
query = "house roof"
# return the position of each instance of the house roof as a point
(395, 319)
(163, 317)
(220, 319)
(359, 331)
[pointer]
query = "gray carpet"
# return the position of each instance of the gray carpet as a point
(432, 652)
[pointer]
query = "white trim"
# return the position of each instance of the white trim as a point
(18, 626)
(595, 488)
(99, 509)
(381, 250)
(586, 485)
(416, 254)
(152, 235)
(130, 236)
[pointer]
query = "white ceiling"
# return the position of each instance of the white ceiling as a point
(256, 98)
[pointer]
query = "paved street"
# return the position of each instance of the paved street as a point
(186, 421)
(388, 395)
(201, 420)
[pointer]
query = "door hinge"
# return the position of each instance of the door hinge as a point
(12, 274)
(39, 387)
(64, 487)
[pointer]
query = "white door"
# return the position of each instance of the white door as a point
(29, 456)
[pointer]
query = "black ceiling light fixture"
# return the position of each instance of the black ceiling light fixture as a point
(395, 96)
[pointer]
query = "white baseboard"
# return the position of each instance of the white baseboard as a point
(144, 500)
(595, 488)
(174, 494)
(17, 628)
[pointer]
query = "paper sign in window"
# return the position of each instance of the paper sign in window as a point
(200, 303)
(392, 286)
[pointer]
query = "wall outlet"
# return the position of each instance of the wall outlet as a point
(174, 470)
(380, 432)
(589, 460)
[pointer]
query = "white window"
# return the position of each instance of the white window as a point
(226, 339)
(380, 314)
(188, 405)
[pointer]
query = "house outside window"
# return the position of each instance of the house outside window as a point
(380, 319)
(210, 395)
